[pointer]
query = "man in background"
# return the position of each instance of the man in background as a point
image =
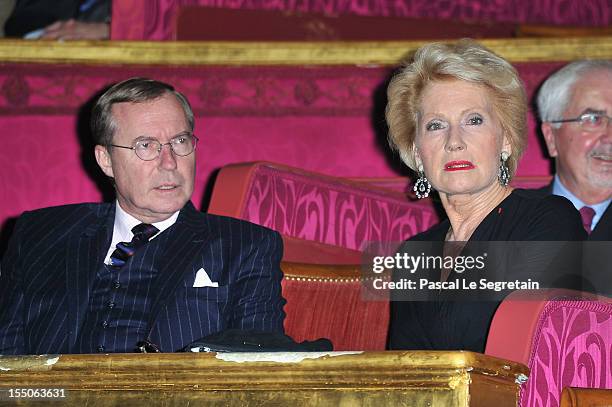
(575, 106)
(60, 19)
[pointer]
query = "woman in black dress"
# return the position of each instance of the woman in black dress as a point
(457, 116)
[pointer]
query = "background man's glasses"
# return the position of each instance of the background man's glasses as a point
(150, 149)
(589, 121)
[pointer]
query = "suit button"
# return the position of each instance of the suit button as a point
(100, 349)
(111, 305)
(104, 324)
(117, 284)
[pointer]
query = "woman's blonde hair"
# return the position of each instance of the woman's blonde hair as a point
(465, 60)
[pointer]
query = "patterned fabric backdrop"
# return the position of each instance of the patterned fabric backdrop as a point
(324, 119)
(154, 19)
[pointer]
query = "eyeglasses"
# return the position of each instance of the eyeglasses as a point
(150, 149)
(589, 121)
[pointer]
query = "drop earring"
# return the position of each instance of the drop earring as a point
(422, 187)
(504, 172)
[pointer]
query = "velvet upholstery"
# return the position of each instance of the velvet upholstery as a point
(156, 19)
(197, 23)
(325, 301)
(564, 337)
(316, 207)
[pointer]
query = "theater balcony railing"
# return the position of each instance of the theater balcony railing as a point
(284, 53)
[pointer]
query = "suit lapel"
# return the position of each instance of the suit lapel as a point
(189, 235)
(84, 256)
(603, 229)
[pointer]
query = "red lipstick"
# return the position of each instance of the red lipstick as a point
(458, 166)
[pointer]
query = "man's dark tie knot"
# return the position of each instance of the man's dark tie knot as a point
(142, 233)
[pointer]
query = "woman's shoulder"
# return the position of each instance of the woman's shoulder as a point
(547, 216)
(537, 199)
(434, 233)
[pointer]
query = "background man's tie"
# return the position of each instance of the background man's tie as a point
(587, 213)
(142, 233)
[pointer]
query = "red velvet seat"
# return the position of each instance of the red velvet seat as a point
(324, 221)
(563, 336)
(325, 301)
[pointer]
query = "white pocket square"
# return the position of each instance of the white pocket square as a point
(202, 280)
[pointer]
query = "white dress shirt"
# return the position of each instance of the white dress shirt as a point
(600, 208)
(124, 222)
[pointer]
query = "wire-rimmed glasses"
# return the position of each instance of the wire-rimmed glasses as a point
(149, 149)
(593, 121)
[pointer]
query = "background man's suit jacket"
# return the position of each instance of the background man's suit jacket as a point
(30, 15)
(603, 229)
(597, 256)
(54, 255)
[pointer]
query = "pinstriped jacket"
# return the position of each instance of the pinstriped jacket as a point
(49, 268)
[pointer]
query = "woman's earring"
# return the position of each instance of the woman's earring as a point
(422, 187)
(504, 172)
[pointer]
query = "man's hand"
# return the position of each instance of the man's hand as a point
(76, 30)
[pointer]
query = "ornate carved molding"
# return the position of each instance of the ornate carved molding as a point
(282, 53)
(281, 378)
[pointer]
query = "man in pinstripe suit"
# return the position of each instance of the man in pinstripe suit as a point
(79, 279)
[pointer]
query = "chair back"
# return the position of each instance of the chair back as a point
(318, 208)
(563, 336)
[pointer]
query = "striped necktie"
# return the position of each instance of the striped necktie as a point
(142, 233)
(587, 213)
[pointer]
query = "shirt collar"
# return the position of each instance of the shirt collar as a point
(600, 208)
(124, 222)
